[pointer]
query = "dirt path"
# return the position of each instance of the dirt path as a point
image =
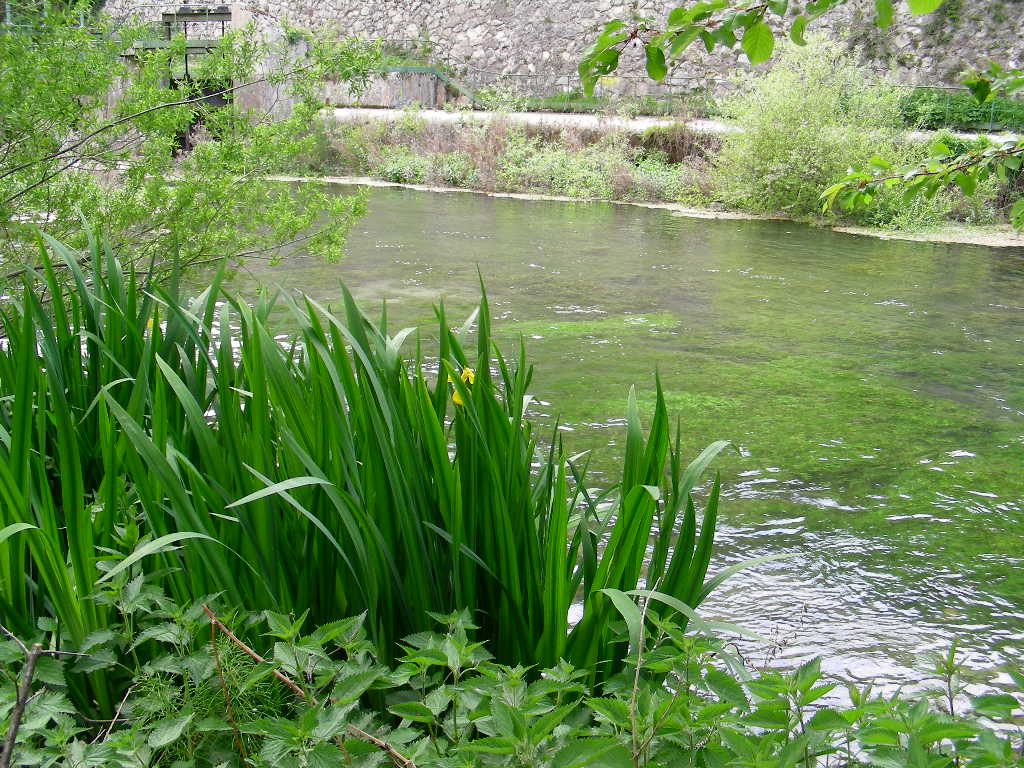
(538, 119)
(581, 120)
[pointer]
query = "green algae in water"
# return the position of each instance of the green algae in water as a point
(873, 389)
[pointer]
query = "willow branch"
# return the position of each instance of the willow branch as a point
(128, 118)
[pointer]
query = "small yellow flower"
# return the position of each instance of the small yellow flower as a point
(468, 377)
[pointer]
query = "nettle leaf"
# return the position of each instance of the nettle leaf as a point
(778, 7)
(168, 730)
(883, 11)
(995, 705)
(828, 720)
(726, 687)
(613, 710)
(921, 7)
(584, 752)
(50, 671)
(656, 66)
(758, 43)
(352, 687)
(416, 711)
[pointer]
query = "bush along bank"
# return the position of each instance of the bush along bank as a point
(801, 126)
(323, 697)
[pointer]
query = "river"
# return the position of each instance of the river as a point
(872, 388)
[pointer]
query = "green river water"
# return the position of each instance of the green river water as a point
(873, 389)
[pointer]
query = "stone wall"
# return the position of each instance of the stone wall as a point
(537, 42)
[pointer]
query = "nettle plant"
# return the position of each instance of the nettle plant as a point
(754, 27)
(324, 697)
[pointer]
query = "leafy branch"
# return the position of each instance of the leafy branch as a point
(860, 187)
(717, 24)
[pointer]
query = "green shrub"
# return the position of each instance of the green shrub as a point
(455, 169)
(532, 165)
(611, 168)
(401, 165)
(816, 113)
(932, 108)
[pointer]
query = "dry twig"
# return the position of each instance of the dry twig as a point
(400, 760)
(19, 704)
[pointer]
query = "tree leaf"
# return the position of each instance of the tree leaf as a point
(921, 7)
(758, 43)
(796, 32)
(656, 66)
(883, 11)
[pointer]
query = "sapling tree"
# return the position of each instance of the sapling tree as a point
(754, 27)
(92, 123)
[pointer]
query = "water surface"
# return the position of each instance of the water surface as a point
(873, 389)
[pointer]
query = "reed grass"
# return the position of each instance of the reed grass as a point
(342, 472)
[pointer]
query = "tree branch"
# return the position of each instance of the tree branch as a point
(19, 704)
(128, 118)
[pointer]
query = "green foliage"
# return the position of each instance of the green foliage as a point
(324, 474)
(931, 108)
(324, 696)
(91, 125)
(456, 169)
(402, 166)
(611, 168)
(715, 23)
(726, 23)
(995, 169)
(494, 156)
(815, 114)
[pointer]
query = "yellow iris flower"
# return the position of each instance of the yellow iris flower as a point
(468, 377)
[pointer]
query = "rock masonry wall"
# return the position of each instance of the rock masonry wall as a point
(481, 39)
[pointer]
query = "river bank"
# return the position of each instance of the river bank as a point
(687, 166)
(992, 235)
